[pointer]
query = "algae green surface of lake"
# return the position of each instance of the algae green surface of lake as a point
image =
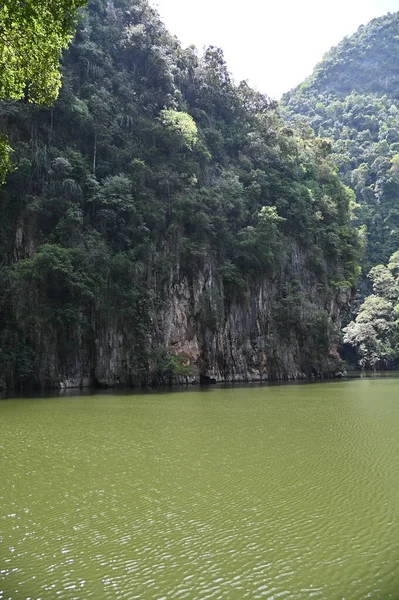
(284, 491)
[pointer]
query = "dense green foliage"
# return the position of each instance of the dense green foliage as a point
(152, 159)
(353, 99)
(32, 36)
(375, 332)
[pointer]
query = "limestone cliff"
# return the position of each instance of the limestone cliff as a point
(253, 336)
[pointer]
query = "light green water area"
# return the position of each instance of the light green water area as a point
(286, 491)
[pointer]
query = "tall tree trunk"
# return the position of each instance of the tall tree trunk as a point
(95, 152)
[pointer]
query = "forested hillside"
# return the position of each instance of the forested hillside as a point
(353, 98)
(163, 223)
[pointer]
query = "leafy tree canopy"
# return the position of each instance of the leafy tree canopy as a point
(375, 331)
(182, 125)
(32, 36)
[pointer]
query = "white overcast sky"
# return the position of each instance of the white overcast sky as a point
(274, 44)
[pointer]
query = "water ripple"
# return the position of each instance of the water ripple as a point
(273, 492)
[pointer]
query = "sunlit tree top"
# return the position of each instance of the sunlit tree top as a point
(32, 36)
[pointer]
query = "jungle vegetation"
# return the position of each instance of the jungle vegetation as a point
(352, 99)
(151, 157)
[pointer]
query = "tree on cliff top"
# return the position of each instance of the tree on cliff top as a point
(32, 36)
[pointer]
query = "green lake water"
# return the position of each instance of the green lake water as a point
(285, 491)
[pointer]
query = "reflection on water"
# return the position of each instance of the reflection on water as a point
(252, 492)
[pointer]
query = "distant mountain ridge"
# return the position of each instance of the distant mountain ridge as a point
(365, 61)
(352, 97)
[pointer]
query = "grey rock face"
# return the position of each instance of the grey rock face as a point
(264, 332)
